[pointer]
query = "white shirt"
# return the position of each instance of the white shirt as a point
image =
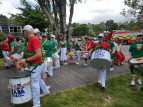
(117, 47)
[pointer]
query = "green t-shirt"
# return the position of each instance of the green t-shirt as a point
(77, 46)
(20, 43)
(48, 46)
(136, 49)
(83, 41)
(65, 45)
(73, 47)
(55, 43)
(13, 44)
(111, 45)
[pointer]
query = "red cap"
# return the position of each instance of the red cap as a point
(9, 36)
(86, 37)
(43, 36)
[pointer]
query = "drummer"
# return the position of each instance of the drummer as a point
(77, 47)
(33, 55)
(48, 48)
(55, 51)
(102, 72)
(112, 47)
(73, 46)
(87, 47)
(5, 50)
(63, 44)
(136, 51)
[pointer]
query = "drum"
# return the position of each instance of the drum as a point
(85, 54)
(73, 56)
(7, 60)
(100, 59)
(20, 95)
(55, 56)
(137, 63)
(49, 61)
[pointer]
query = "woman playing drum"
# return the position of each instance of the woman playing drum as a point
(136, 51)
(102, 72)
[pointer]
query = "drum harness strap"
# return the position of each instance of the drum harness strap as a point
(21, 86)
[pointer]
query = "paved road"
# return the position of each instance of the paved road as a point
(68, 76)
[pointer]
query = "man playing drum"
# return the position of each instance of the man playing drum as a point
(136, 51)
(33, 55)
(102, 72)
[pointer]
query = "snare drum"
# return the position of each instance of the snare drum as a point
(85, 54)
(20, 95)
(7, 60)
(100, 59)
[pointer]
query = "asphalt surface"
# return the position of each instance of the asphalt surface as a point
(68, 76)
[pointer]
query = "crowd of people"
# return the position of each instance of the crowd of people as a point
(36, 48)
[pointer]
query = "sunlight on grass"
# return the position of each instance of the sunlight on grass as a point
(118, 93)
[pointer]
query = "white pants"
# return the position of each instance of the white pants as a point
(63, 54)
(77, 53)
(50, 71)
(5, 54)
(45, 66)
(37, 82)
(57, 63)
(102, 76)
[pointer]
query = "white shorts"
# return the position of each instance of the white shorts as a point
(17, 55)
(44, 67)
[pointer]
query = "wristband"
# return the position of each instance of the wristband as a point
(26, 60)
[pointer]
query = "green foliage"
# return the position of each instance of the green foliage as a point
(31, 15)
(3, 19)
(2, 35)
(135, 9)
(91, 33)
(80, 30)
(114, 26)
(132, 25)
(98, 29)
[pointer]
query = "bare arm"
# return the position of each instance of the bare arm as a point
(130, 54)
(1, 43)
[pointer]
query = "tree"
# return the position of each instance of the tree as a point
(91, 33)
(3, 19)
(31, 15)
(98, 29)
(58, 8)
(135, 9)
(114, 26)
(80, 30)
(132, 25)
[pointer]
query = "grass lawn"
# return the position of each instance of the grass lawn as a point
(2, 63)
(118, 93)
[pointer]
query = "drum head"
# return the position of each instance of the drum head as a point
(19, 75)
(99, 63)
(136, 60)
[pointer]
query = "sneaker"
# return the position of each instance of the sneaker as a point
(7, 67)
(121, 63)
(65, 63)
(36, 106)
(22, 69)
(111, 69)
(139, 82)
(42, 95)
(103, 87)
(27, 69)
(77, 63)
(48, 87)
(118, 63)
(132, 82)
(99, 81)
(85, 65)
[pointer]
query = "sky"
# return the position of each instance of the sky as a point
(91, 11)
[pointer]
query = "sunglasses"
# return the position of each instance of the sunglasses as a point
(99, 36)
(139, 36)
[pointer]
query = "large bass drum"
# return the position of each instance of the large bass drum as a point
(100, 59)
